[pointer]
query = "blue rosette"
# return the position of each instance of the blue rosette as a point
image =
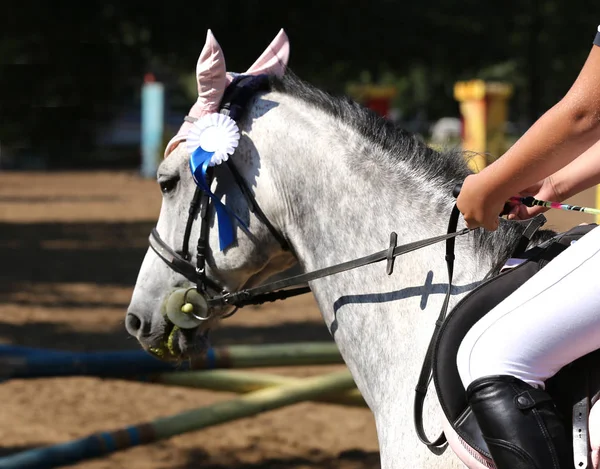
(210, 141)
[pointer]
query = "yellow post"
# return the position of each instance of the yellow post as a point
(484, 109)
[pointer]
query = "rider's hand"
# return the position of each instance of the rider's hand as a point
(543, 190)
(478, 205)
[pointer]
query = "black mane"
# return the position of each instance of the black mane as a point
(447, 167)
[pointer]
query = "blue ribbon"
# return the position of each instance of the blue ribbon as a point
(199, 162)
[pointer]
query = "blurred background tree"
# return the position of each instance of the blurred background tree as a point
(69, 69)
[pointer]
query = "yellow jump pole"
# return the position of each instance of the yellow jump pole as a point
(101, 444)
(251, 356)
(253, 403)
(244, 382)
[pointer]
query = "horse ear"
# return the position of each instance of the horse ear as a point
(274, 59)
(211, 76)
(211, 80)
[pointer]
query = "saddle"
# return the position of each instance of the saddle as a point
(575, 388)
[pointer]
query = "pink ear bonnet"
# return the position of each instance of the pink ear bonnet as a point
(212, 78)
(211, 137)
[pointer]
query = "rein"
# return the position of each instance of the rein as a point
(262, 293)
(275, 290)
(438, 446)
(190, 316)
(235, 100)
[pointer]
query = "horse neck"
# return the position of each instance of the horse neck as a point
(341, 194)
(338, 198)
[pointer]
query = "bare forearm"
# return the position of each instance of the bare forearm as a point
(581, 174)
(564, 133)
(557, 138)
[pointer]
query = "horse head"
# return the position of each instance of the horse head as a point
(212, 234)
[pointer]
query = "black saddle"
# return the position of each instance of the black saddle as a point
(574, 389)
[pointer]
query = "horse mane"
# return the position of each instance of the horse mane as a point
(445, 168)
(398, 144)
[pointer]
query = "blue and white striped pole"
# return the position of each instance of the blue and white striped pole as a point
(153, 116)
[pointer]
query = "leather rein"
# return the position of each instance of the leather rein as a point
(234, 103)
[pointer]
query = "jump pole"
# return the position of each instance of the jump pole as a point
(101, 444)
(243, 382)
(17, 362)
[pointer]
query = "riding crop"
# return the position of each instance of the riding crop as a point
(531, 202)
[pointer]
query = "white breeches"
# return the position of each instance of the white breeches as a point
(548, 322)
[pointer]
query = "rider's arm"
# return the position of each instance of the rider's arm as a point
(583, 172)
(579, 175)
(553, 141)
(560, 135)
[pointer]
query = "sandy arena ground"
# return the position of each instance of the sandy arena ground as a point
(70, 248)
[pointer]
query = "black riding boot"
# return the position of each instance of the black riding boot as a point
(520, 424)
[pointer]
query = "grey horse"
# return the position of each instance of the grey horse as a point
(334, 180)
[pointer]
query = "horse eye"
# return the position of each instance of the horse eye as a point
(168, 185)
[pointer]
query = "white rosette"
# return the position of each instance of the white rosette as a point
(216, 133)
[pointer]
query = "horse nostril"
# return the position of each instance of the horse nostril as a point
(133, 324)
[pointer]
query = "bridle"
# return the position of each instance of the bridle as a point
(234, 103)
(235, 100)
